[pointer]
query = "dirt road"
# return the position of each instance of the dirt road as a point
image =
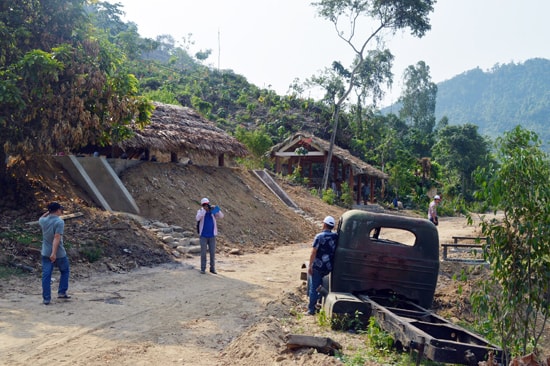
(166, 315)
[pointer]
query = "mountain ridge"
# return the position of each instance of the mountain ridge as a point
(499, 99)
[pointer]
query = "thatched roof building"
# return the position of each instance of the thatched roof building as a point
(345, 167)
(181, 133)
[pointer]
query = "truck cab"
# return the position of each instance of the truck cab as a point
(386, 254)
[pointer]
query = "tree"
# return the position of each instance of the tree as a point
(418, 100)
(258, 141)
(516, 298)
(375, 72)
(461, 150)
(62, 86)
(391, 15)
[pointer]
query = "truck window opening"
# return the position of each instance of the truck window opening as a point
(393, 235)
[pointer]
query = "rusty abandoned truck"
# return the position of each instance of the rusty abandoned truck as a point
(386, 267)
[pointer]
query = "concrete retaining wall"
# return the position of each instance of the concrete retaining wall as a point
(100, 180)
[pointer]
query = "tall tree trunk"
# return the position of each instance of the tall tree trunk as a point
(330, 150)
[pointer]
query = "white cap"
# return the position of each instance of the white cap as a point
(204, 200)
(436, 197)
(329, 220)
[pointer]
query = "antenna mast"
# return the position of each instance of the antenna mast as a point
(219, 49)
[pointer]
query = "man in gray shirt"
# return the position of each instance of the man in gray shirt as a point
(53, 252)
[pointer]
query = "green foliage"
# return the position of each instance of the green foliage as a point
(378, 339)
(347, 195)
(22, 237)
(162, 96)
(8, 271)
(257, 141)
(461, 150)
(322, 319)
(91, 253)
(418, 107)
(515, 298)
(250, 163)
(67, 87)
(402, 177)
(452, 206)
(200, 105)
(296, 176)
(329, 196)
(348, 322)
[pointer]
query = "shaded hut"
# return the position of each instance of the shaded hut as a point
(180, 134)
(310, 153)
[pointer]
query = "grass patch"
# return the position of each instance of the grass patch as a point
(23, 237)
(92, 253)
(7, 271)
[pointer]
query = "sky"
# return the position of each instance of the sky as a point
(274, 42)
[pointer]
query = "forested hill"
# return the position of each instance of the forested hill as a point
(499, 99)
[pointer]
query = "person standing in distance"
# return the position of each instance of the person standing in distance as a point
(432, 210)
(53, 253)
(208, 229)
(320, 260)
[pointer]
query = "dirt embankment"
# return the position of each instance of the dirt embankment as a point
(255, 220)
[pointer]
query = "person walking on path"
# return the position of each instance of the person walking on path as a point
(432, 210)
(208, 230)
(53, 253)
(320, 260)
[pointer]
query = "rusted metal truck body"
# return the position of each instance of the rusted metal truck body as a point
(386, 266)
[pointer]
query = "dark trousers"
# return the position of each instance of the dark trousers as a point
(210, 244)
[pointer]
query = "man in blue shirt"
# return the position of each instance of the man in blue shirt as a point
(53, 252)
(320, 261)
(208, 229)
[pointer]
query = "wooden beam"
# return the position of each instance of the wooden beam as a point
(64, 217)
(292, 153)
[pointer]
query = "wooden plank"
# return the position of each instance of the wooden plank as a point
(23, 267)
(462, 245)
(321, 344)
(64, 217)
(477, 238)
(470, 237)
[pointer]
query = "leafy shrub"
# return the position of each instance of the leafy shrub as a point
(329, 196)
(348, 322)
(347, 195)
(91, 253)
(378, 338)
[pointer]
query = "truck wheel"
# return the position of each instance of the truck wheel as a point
(326, 286)
(325, 283)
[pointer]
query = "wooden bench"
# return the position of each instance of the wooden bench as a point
(476, 238)
(456, 244)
